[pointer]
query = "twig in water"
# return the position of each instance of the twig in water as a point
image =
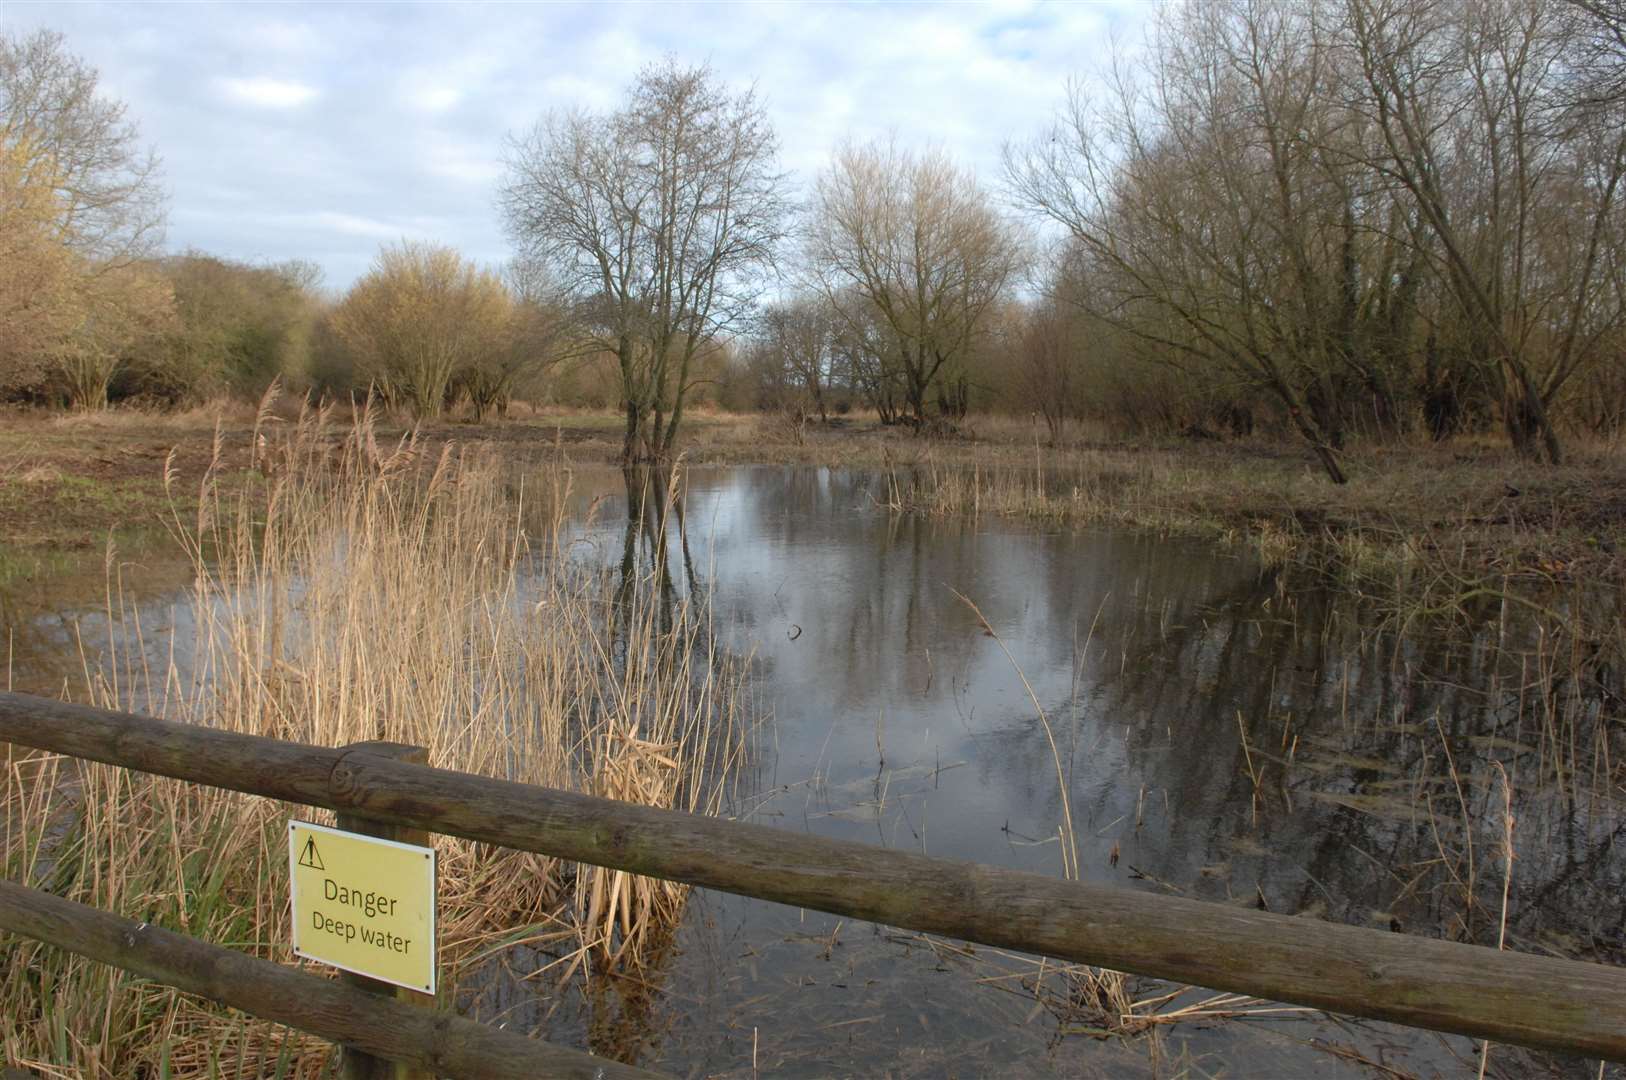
(1069, 851)
(1507, 885)
(1247, 757)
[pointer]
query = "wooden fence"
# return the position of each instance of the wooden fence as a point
(1536, 1001)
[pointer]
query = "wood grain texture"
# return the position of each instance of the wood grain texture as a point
(1535, 1001)
(438, 1043)
(357, 1065)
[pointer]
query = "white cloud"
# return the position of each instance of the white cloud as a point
(285, 36)
(357, 225)
(464, 162)
(265, 93)
(433, 99)
(571, 90)
(361, 123)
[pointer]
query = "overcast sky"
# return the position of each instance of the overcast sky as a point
(320, 131)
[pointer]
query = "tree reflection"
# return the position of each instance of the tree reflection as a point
(654, 501)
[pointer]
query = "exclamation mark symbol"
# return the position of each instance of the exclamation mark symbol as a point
(308, 856)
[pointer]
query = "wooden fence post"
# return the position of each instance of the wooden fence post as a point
(355, 1065)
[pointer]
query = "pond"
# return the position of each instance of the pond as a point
(1223, 732)
(1210, 727)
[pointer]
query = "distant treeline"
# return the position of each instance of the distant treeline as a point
(1334, 219)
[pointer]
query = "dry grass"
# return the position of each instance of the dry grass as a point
(1098, 1002)
(1413, 514)
(363, 590)
(1468, 504)
(228, 412)
(1408, 512)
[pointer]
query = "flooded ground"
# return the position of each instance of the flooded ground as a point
(1219, 731)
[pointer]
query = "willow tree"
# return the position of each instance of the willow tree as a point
(793, 354)
(36, 270)
(1215, 225)
(83, 210)
(238, 327)
(911, 242)
(110, 205)
(1518, 183)
(115, 311)
(421, 314)
(657, 221)
(1049, 347)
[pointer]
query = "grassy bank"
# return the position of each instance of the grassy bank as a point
(1469, 506)
(361, 588)
(1407, 510)
(68, 481)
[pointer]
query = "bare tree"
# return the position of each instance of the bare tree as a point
(1520, 194)
(794, 352)
(869, 355)
(1212, 222)
(911, 246)
(533, 344)
(658, 221)
(1597, 66)
(1049, 350)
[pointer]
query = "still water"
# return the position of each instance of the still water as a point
(1220, 732)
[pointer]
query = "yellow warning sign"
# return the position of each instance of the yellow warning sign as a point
(364, 904)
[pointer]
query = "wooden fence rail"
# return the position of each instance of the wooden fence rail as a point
(443, 1043)
(1542, 1002)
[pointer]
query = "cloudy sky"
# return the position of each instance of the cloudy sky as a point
(320, 131)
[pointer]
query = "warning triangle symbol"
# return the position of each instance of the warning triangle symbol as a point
(309, 857)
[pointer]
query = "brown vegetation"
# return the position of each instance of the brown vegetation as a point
(1350, 222)
(1469, 505)
(1366, 213)
(527, 666)
(418, 319)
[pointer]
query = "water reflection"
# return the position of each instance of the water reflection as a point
(655, 522)
(57, 611)
(1224, 733)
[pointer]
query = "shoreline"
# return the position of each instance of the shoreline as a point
(1465, 508)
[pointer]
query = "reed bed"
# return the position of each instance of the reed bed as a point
(1409, 515)
(360, 589)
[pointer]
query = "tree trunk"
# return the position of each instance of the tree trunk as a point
(917, 403)
(86, 377)
(1525, 417)
(1305, 424)
(629, 446)
(1326, 454)
(669, 437)
(1329, 460)
(632, 399)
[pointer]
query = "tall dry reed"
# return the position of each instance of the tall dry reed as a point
(360, 591)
